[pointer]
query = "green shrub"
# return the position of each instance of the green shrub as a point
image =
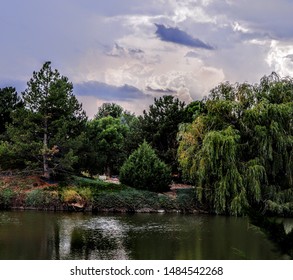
(279, 209)
(144, 170)
(35, 198)
(51, 198)
(186, 199)
(131, 200)
(40, 198)
(166, 202)
(86, 194)
(71, 196)
(6, 197)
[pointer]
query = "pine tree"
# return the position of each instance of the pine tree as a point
(159, 126)
(9, 101)
(47, 132)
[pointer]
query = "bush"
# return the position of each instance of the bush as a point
(131, 200)
(40, 198)
(86, 194)
(6, 197)
(35, 198)
(144, 170)
(75, 195)
(186, 199)
(71, 196)
(10, 158)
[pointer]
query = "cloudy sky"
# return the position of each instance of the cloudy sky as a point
(130, 51)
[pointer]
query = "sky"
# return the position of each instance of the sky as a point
(130, 51)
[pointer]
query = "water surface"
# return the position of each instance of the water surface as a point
(46, 235)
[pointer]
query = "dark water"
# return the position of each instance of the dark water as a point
(42, 235)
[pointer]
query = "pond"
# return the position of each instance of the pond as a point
(29, 235)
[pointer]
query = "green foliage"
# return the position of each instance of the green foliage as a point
(194, 109)
(9, 157)
(86, 194)
(48, 130)
(105, 152)
(71, 196)
(40, 198)
(76, 195)
(144, 170)
(6, 198)
(80, 193)
(134, 136)
(235, 147)
(159, 127)
(110, 138)
(275, 232)
(109, 109)
(9, 102)
(241, 146)
(113, 197)
(95, 184)
(130, 200)
(35, 198)
(186, 200)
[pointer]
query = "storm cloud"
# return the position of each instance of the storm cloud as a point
(108, 92)
(177, 36)
(132, 51)
(161, 90)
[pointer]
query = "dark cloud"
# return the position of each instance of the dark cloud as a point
(161, 90)
(108, 92)
(175, 35)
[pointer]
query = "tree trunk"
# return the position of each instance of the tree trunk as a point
(46, 171)
(108, 171)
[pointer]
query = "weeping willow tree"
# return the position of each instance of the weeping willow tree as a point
(239, 153)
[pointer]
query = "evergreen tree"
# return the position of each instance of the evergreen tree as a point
(9, 102)
(47, 132)
(160, 125)
(109, 109)
(144, 170)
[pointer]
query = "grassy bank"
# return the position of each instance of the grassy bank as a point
(83, 194)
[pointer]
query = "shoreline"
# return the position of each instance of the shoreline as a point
(89, 195)
(103, 210)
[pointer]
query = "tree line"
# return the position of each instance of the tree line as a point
(234, 146)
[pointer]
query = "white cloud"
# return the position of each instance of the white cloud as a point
(280, 57)
(240, 28)
(115, 43)
(190, 10)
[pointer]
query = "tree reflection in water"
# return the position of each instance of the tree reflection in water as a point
(87, 242)
(139, 236)
(276, 231)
